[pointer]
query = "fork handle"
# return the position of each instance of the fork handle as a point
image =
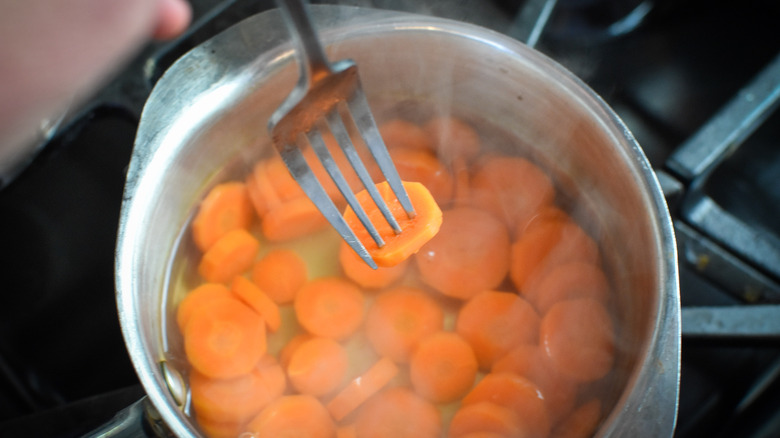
(313, 62)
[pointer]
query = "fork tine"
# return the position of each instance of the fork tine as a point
(342, 137)
(364, 120)
(316, 142)
(302, 173)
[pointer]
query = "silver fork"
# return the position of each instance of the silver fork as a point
(323, 95)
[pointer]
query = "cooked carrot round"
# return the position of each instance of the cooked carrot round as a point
(399, 318)
(516, 393)
(252, 296)
(197, 298)
(292, 219)
(280, 273)
(546, 246)
(357, 270)
(470, 254)
(329, 307)
(415, 233)
(362, 388)
(453, 138)
(582, 423)
(486, 417)
(529, 361)
(494, 323)
(260, 190)
(229, 256)
(579, 338)
(399, 133)
(224, 339)
(238, 399)
(568, 281)
(293, 416)
(512, 188)
(423, 167)
(398, 413)
(286, 353)
(443, 367)
(318, 366)
(225, 208)
(547, 213)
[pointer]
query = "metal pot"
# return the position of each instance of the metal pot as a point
(205, 122)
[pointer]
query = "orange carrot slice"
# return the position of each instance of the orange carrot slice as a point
(486, 417)
(199, 297)
(399, 318)
(512, 188)
(529, 361)
(423, 167)
(356, 269)
(287, 351)
(470, 254)
(224, 339)
(516, 393)
(226, 207)
(568, 281)
(443, 367)
(282, 182)
(280, 273)
(329, 307)
(252, 296)
(399, 133)
(229, 256)
(415, 233)
(453, 138)
(546, 246)
(261, 191)
(398, 413)
(318, 366)
(582, 423)
(547, 213)
(494, 323)
(292, 219)
(362, 388)
(579, 338)
(239, 399)
(293, 416)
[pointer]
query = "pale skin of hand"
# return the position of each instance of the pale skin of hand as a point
(53, 53)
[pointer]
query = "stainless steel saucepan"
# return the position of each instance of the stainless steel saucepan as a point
(204, 123)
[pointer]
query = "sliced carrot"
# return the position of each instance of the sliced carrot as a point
(485, 417)
(494, 323)
(280, 273)
(238, 399)
(318, 366)
(443, 367)
(362, 388)
(292, 219)
(287, 351)
(399, 318)
(224, 339)
(547, 213)
(516, 393)
(252, 296)
(329, 307)
(579, 338)
(470, 254)
(512, 188)
(453, 138)
(293, 416)
(582, 423)
(226, 207)
(220, 429)
(415, 233)
(229, 256)
(529, 361)
(399, 133)
(261, 191)
(199, 297)
(568, 281)
(423, 167)
(282, 182)
(398, 413)
(357, 270)
(547, 245)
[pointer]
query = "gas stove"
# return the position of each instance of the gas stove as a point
(696, 82)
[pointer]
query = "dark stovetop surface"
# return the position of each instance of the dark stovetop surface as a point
(63, 365)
